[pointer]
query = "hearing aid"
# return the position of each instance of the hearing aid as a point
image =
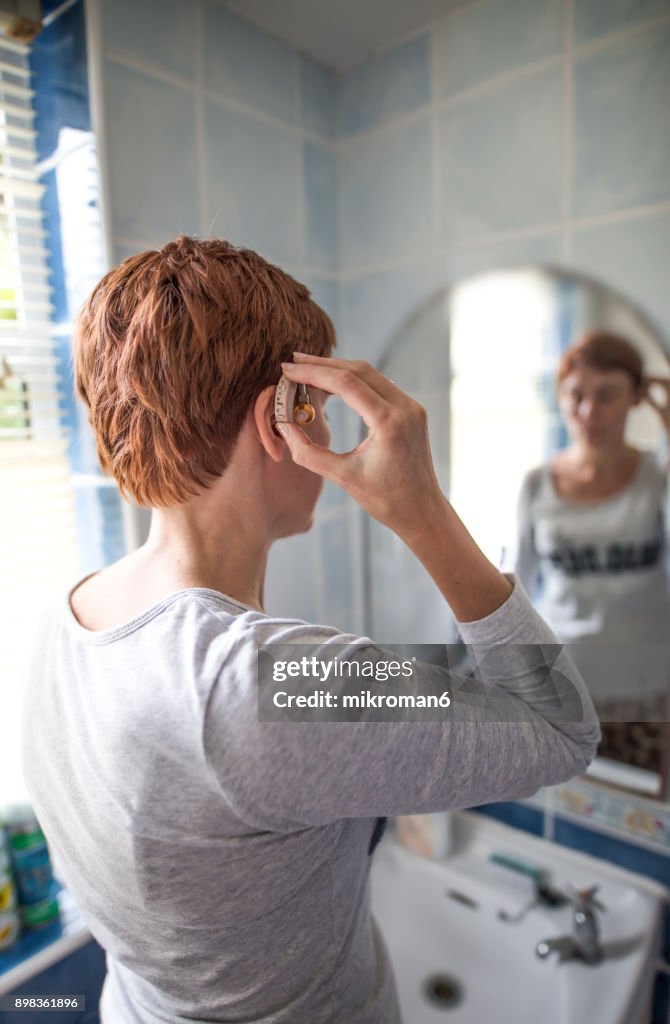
(292, 404)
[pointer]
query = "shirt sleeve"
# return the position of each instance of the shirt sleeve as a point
(523, 561)
(526, 722)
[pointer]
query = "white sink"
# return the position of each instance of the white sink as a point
(441, 926)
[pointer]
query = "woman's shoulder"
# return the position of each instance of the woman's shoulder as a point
(532, 482)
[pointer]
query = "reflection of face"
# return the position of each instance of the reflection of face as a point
(596, 403)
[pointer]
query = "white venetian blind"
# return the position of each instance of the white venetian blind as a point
(38, 544)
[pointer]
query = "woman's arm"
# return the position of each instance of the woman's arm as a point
(526, 564)
(391, 476)
(527, 721)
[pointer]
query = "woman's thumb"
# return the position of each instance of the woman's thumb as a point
(307, 453)
(294, 436)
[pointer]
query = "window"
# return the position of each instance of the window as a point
(39, 552)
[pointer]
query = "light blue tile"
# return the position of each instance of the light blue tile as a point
(244, 64)
(375, 307)
(325, 291)
(500, 159)
(334, 544)
(164, 36)
(622, 127)
(485, 40)
(318, 87)
(153, 180)
(319, 166)
(124, 252)
(287, 593)
(252, 184)
(385, 195)
(528, 251)
(595, 18)
(632, 256)
(396, 83)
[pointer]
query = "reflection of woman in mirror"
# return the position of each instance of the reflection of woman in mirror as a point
(592, 545)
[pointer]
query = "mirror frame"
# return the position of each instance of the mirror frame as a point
(442, 294)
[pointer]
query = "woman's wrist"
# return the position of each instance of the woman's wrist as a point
(472, 586)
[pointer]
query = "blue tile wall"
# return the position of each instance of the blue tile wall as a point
(162, 35)
(542, 248)
(518, 815)
(593, 19)
(396, 83)
(631, 256)
(318, 95)
(385, 195)
(375, 306)
(484, 40)
(319, 169)
(500, 160)
(335, 548)
(246, 65)
(152, 179)
(253, 194)
(622, 131)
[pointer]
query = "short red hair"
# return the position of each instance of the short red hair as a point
(171, 349)
(602, 350)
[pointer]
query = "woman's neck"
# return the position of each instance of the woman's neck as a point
(590, 463)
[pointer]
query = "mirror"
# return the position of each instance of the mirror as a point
(482, 357)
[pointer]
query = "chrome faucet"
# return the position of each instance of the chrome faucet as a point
(584, 943)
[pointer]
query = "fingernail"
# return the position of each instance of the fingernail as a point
(282, 429)
(284, 366)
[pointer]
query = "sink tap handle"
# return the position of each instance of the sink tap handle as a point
(585, 899)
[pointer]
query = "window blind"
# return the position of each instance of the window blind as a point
(39, 554)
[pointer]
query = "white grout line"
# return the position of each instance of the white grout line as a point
(253, 113)
(518, 73)
(537, 231)
(567, 134)
(621, 216)
(200, 134)
(436, 168)
(586, 49)
(299, 163)
(96, 90)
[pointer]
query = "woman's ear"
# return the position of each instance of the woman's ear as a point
(264, 417)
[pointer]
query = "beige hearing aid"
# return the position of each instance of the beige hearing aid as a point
(292, 403)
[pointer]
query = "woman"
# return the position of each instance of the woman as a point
(592, 545)
(223, 861)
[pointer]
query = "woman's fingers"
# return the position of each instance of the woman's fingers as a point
(342, 381)
(390, 474)
(370, 374)
(312, 456)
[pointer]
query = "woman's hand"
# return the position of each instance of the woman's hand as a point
(663, 411)
(390, 474)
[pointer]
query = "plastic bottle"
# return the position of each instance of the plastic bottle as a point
(10, 922)
(38, 904)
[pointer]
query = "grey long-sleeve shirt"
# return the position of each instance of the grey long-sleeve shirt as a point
(600, 576)
(223, 862)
